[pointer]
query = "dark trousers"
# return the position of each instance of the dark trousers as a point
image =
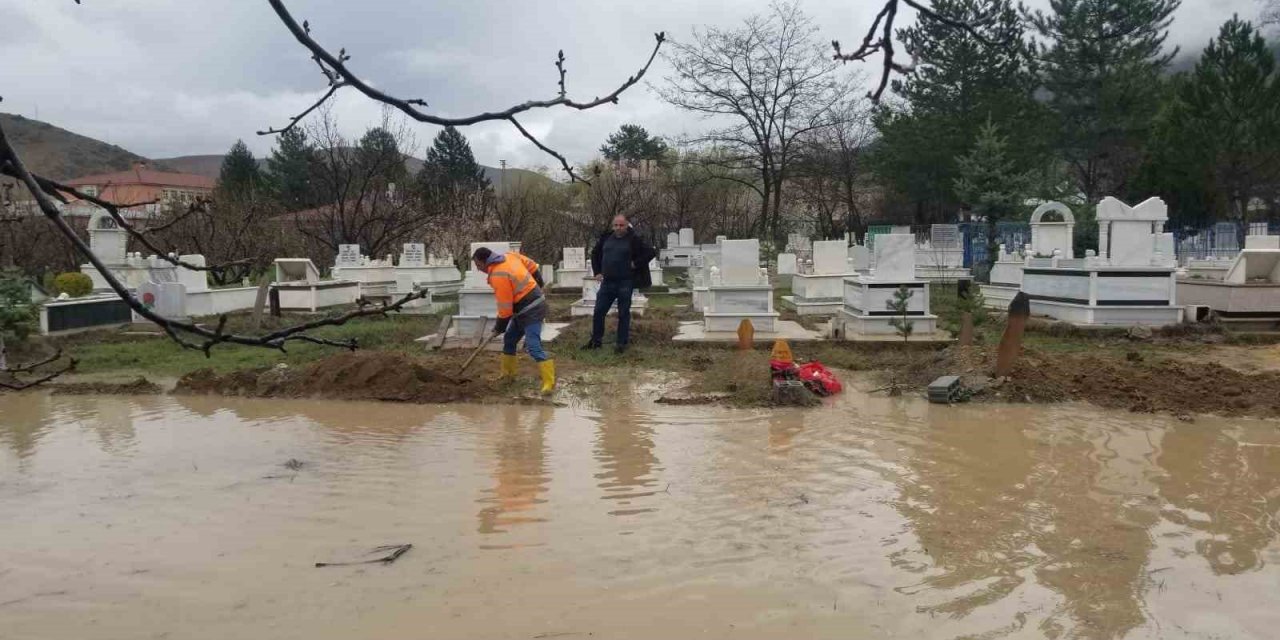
(612, 291)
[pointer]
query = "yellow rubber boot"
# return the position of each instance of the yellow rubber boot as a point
(548, 370)
(507, 366)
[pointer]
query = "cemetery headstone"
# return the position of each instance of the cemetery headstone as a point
(348, 255)
(414, 255)
(830, 256)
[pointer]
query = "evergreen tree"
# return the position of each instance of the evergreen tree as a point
(1102, 69)
(960, 84)
(989, 180)
(290, 169)
(450, 167)
(1226, 116)
(240, 174)
(632, 143)
(379, 156)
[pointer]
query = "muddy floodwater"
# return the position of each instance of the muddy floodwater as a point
(172, 517)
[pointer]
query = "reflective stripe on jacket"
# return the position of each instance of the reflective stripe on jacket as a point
(511, 277)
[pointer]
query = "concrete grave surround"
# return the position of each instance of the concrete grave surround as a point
(1128, 282)
(819, 290)
(586, 305)
(300, 287)
(739, 289)
(1249, 292)
(864, 312)
(1006, 279)
(573, 267)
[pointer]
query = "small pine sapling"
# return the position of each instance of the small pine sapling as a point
(898, 305)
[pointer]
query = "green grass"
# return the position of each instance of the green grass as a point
(99, 352)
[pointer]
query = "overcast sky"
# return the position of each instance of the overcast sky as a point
(173, 77)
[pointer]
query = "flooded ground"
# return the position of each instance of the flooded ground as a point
(176, 517)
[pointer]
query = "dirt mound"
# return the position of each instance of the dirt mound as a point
(367, 375)
(137, 387)
(1141, 385)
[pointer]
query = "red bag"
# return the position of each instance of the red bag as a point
(819, 379)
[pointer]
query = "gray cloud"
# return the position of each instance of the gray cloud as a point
(164, 77)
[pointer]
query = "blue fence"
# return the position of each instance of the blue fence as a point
(1221, 240)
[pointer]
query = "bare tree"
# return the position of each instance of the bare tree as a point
(363, 188)
(772, 80)
(46, 193)
(830, 176)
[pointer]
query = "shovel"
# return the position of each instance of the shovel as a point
(484, 342)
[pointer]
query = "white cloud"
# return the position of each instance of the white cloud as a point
(162, 79)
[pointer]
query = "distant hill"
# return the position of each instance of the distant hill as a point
(211, 165)
(60, 154)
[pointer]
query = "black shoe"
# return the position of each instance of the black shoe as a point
(620, 349)
(591, 345)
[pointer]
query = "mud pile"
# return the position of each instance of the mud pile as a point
(137, 387)
(1141, 385)
(368, 375)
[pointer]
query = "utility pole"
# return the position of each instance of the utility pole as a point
(503, 178)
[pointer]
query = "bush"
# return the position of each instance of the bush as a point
(18, 316)
(73, 284)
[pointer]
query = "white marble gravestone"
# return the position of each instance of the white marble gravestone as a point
(348, 256)
(864, 312)
(194, 280)
(166, 299)
(830, 257)
(895, 257)
(686, 237)
(786, 264)
(739, 290)
(819, 291)
(414, 254)
(859, 257)
(673, 240)
(655, 273)
(573, 267)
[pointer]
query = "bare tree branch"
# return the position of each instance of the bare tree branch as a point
(11, 378)
(871, 45)
(335, 69)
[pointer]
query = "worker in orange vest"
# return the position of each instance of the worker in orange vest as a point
(517, 284)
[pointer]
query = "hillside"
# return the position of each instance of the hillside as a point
(210, 165)
(60, 154)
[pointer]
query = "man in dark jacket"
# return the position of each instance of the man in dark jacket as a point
(620, 261)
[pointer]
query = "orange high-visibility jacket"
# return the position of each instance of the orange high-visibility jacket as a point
(512, 280)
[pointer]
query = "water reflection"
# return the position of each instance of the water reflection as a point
(1226, 489)
(24, 423)
(624, 450)
(346, 422)
(518, 442)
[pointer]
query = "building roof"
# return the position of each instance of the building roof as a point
(141, 174)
